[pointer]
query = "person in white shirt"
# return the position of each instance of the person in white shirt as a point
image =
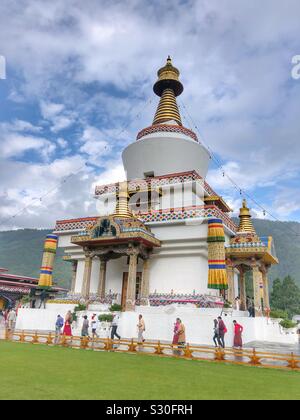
(94, 325)
(12, 318)
(114, 326)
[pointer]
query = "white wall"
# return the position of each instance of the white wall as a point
(79, 276)
(164, 153)
(160, 321)
(95, 275)
(182, 274)
(114, 274)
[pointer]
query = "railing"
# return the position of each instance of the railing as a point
(192, 352)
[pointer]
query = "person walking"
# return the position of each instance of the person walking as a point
(85, 327)
(222, 331)
(216, 333)
(12, 318)
(68, 325)
(181, 334)
(141, 329)
(43, 299)
(114, 327)
(176, 332)
(58, 328)
(238, 331)
(94, 325)
(237, 303)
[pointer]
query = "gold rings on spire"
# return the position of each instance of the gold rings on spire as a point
(122, 207)
(168, 86)
(167, 109)
(245, 219)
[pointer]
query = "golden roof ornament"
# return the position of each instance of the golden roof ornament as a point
(122, 207)
(168, 78)
(246, 225)
(168, 87)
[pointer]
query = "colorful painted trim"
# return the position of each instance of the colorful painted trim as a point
(197, 212)
(167, 128)
(217, 274)
(158, 181)
(46, 272)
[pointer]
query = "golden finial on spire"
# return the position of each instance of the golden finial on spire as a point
(245, 219)
(168, 78)
(168, 86)
(122, 207)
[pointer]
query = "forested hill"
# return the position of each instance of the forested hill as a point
(287, 246)
(21, 251)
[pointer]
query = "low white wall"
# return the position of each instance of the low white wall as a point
(160, 323)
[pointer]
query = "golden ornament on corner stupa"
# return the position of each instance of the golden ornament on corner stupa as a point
(246, 224)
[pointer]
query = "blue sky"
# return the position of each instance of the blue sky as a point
(79, 73)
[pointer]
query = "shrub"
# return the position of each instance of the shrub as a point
(80, 308)
(278, 314)
(287, 324)
(227, 305)
(115, 308)
(25, 299)
(106, 317)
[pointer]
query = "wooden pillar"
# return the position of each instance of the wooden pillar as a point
(86, 285)
(131, 289)
(231, 287)
(266, 289)
(102, 278)
(74, 273)
(243, 294)
(145, 282)
(257, 284)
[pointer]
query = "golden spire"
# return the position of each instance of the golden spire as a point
(245, 219)
(122, 206)
(167, 109)
(168, 87)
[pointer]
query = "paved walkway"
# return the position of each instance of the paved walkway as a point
(2, 332)
(274, 347)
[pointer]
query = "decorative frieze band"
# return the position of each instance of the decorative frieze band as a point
(167, 128)
(155, 216)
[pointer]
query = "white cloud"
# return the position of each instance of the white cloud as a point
(14, 142)
(57, 115)
(91, 67)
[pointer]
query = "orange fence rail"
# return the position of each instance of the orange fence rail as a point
(192, 352)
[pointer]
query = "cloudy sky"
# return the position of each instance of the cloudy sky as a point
(79, 87)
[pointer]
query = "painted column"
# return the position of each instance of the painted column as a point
(74, 273)
(87, 277)
(102, 278)
(231, 287)
(243, 294)
(131, 289)
(145, 282)
(46, 272)
(257, 287)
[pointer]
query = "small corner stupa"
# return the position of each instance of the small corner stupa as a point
(248, 252)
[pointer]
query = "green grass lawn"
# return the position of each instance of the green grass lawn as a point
(40, 372)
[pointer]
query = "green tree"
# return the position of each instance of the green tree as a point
(286, 296)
